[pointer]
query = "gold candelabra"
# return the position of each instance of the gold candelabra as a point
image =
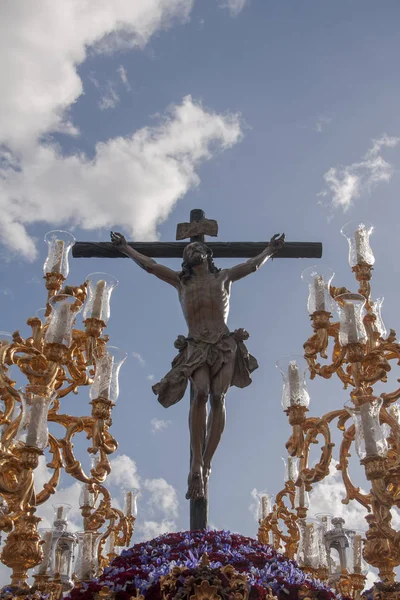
(361, 355)
(57, 359)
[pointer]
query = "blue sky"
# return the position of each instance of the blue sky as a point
(271, 116)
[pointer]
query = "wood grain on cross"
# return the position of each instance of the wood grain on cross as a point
(196, 230)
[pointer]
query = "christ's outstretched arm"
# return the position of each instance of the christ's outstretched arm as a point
(145, 262)
(254, 263)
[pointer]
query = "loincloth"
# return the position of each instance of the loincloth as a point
(196, 353)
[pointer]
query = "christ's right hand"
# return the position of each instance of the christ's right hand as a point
(118, 239)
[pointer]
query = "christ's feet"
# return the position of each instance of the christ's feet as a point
(206, 476)
(195, 483)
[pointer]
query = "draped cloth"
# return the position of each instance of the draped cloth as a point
(196, 353)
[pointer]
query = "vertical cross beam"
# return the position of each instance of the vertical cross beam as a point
(198, 507)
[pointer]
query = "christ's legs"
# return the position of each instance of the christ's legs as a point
(216, 420)
(197, 425)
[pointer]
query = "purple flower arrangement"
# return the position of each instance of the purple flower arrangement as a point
(139, 569)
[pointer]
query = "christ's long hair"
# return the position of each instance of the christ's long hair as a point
(187, 268)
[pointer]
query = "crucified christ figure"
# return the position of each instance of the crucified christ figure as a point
(211, 357)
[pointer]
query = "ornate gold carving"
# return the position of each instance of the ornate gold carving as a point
(359, 366)
(53, 370)
(205, 583)
(205, 591)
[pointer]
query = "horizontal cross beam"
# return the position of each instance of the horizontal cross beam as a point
(175, 249)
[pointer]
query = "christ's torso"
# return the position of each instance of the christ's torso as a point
(205, 305)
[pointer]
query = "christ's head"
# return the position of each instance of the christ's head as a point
(196, 253)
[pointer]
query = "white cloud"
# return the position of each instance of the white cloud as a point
(132, 182)
(109, 97)
(139, 358)
(152, 529)
(41, 47)
(159, 425)
(235, 6)
(123, 473)
(163, 497)
(124, 77)
(346, 183)
(150, 377)
(42, 43)
(321, 123)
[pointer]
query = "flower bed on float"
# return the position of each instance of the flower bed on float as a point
(141, 570)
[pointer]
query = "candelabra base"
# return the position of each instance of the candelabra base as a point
(386, 591)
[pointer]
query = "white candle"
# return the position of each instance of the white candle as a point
(98, 300)
(301, 499)
(61, 324)
(44, 565)
(58, 256)
(351, 326)
(302, 496)
(128, 504)
(106, 371)
(292, 468)
(360, 238)
(294, 383)
(357, 545)
(368, 426)
(87, 555)
(308, 543)
(111, 543)
(87, 496)
(37, 421)
(319, 291)
(265, 506)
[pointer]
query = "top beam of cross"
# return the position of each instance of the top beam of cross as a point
(196, 230)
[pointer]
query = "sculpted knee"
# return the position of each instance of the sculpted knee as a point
(202, 395)
(217, 400)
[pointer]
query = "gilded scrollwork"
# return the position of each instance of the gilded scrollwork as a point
(359, 364)
(54, 370)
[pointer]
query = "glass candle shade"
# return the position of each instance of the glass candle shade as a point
(100, 287)
(394, 412)
(63, 557)
(350, 308)
(308, 550)
(64, 309)
(311, 545)
(86, 563)
(319, 280)
(61, 512)
(59, 243)
(130, 504)
(86, 497)
(33, 429)
(265, 506)
(302, 498)
(379, 324)
(322, 553)
(110, 547)
(370, 438)
(105, 384)
(357, 553)
(324, 520)
(357, 235)
(294, 391)
(291, 468)
(46, 536)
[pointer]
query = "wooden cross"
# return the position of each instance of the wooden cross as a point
(196, 230)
